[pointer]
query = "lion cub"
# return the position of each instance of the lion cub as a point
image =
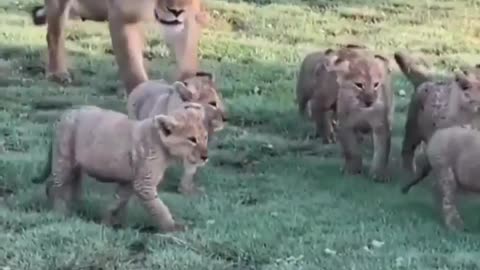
(436, 103)
(317, 89)
(133, 154)
(453, 155)
(354, 83)
(158, 97)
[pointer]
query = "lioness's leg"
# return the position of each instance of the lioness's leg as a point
(187, 185)
(146, 191)
(127, 43)
(185, 47)
(350, 149)
(446, 188)
(381, 147)
(57, 16)
(118, 209)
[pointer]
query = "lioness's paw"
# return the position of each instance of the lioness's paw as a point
(60, 77)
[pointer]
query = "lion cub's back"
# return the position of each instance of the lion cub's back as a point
(449, 144)
(146, 97)
(102, 140)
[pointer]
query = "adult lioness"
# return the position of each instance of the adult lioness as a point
(134, 154)
(317, 88)
(453, 156)
(436, 103)
(182, 21)
(158, 97)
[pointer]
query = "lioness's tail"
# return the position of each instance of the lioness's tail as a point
(48, 167)
(39, 15)
(423, 168)
(414, 73)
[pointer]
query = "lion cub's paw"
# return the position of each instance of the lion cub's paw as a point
(175, 227)
(455, 224)
(60, 77)
(380, 176)
(352, 168)
(112, 221)
(192, 191)
(329, 140)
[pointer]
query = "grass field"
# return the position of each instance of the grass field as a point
(275, 196)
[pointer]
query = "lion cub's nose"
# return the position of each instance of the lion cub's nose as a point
(175, 12)
(204, 157)
(368, 103)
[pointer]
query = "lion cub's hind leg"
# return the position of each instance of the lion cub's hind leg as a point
(118, 209)
(65, 187)
(446, 196)
(57, 17)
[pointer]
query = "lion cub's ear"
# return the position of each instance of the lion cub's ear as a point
(461, 77)
(185, 92)
(339, 65)
(384, 61)
(166, 124)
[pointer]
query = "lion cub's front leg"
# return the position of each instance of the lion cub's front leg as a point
(381, 145)
(145, 188)
(57, 16)
(350, 148)
(187, 185)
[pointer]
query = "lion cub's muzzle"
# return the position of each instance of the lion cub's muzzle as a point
(368, 99)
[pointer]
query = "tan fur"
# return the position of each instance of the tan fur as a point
(133, 154)
(415, 73)
(125, 18)
(317, 88)
(354, 83)
(453, 156)
(158, 97)
(437, 104)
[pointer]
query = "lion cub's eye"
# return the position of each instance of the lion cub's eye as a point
(375, 85)
(213, 103)
(192, 139)
(359, 85)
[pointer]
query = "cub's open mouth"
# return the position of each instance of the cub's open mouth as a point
(165, 22)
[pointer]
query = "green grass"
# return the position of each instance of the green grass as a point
(275, 197)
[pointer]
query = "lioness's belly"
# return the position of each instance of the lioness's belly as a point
(95, 10)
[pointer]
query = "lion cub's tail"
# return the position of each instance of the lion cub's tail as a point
(39, 15)
(414, 73)
(423, 168)
(48, 167)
